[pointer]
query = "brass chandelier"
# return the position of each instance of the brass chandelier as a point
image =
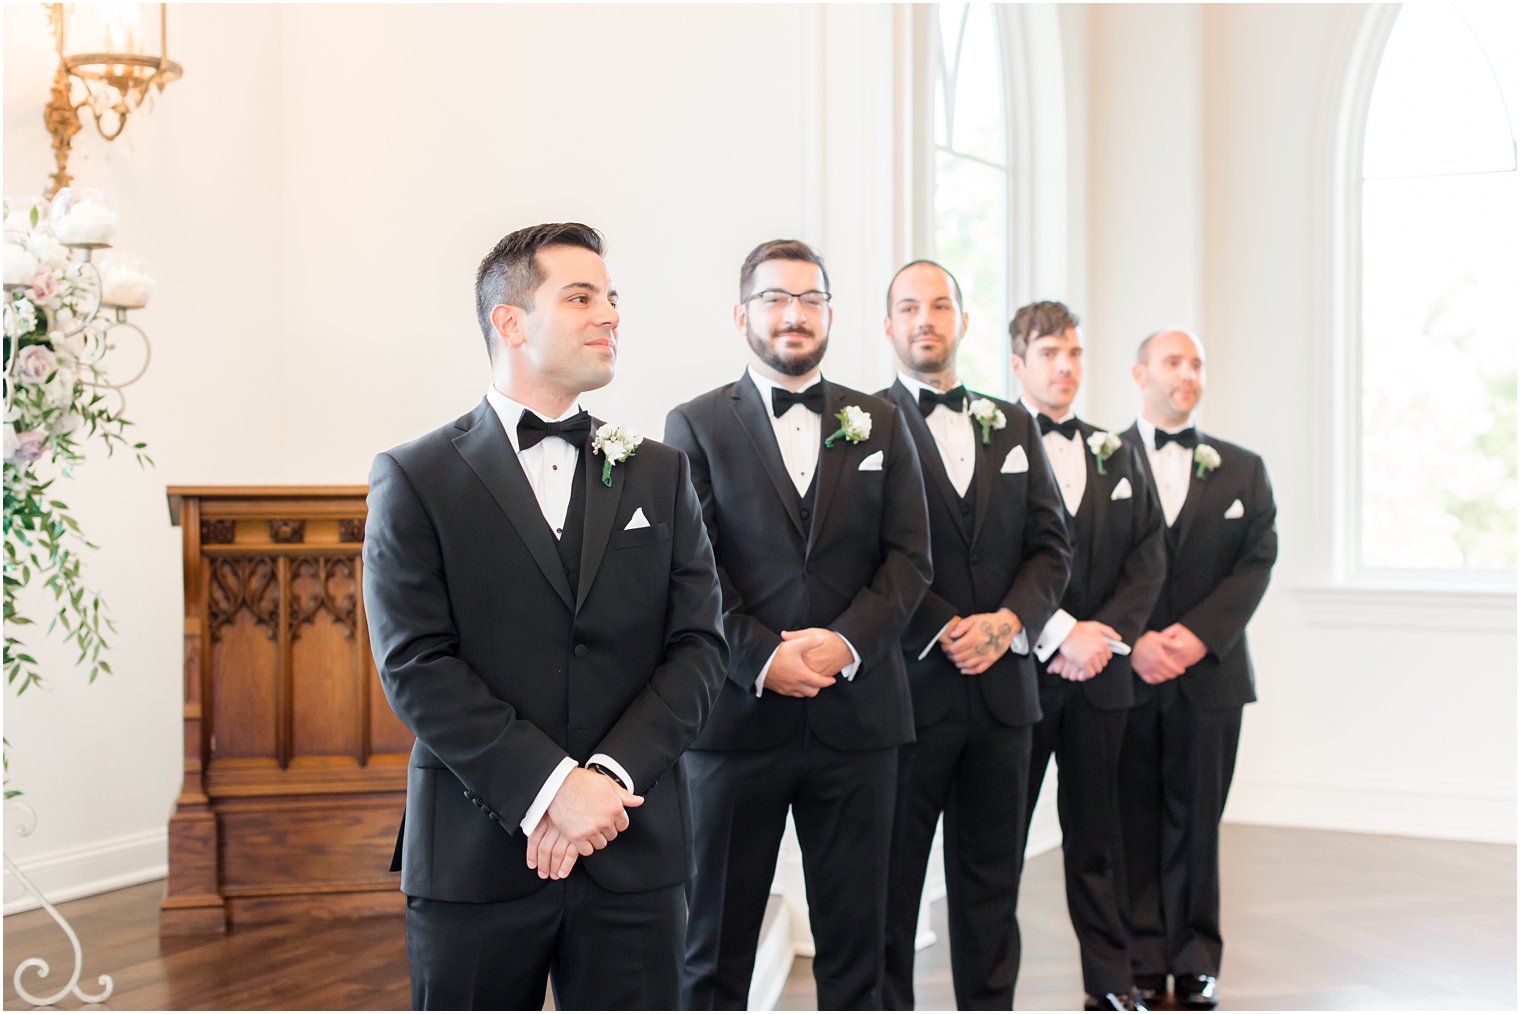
(111, 56)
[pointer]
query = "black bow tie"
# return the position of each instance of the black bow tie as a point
(782, 400)
(1188, 438)
(1067, 429)
(531, 429)
(953, 399)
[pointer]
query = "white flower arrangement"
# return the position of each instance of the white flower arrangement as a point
(1206, 458)
(57, 397)
(1104, 445)
(616, 445)
(988, 416)
(854, 426)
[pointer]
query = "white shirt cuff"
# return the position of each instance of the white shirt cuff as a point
(546, 794)
(1020, 643)
(933, 641)
(614, 767)
(1056, 631)
(760, 680)
(848, 672)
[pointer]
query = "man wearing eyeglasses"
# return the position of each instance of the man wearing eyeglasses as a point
(1001, 557)
(815, 505)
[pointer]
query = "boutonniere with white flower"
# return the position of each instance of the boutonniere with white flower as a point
(1206, 458)
(1103, 446)
(988, 416)
(616, 445)
(854, 426)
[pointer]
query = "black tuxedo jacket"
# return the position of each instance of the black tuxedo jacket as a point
(1010, 550)
(1217, 571)
(501, 673)
(854, 559)
(1122, 558)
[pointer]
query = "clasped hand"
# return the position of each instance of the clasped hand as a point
(1162, 655)
(806, 662)
(974, 642)
(587, 812)
(1085, 652)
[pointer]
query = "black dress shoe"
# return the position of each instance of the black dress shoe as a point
(1197, 992)
(1114, 1001)
(1150, 989)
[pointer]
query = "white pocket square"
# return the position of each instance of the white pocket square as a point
(1017, 461)
(1122, 491)
(872, 463)
(637, 521)
(1237, 510)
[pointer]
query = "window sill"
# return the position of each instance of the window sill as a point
(1345, 605)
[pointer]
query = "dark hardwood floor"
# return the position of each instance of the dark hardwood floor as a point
(1313, 920)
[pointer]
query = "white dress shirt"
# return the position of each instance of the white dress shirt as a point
(799, 436)
(1068, 459)
(799, 432)
(550, 466)
(1172, 466)
(954, 435)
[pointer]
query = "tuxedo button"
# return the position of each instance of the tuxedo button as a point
(804, 512)
(581, 651)
(975, 557)
(965, 508)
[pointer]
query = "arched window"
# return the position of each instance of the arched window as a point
(972, 181)
(1433, 301)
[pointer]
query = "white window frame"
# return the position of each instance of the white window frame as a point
(1040, 189)
(1343, 592)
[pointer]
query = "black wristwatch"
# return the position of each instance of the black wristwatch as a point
(603, 769)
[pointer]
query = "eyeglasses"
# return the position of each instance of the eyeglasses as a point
(776, 300)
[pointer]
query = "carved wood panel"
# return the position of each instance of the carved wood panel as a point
(295, 767)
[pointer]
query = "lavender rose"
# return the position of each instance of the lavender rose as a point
(36, 363)
(29, 446)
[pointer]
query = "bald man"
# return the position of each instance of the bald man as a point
(1192, 674)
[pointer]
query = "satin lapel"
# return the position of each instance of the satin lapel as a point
(1193, 504)
(754, 418)
(1094, 500)
(1133, 433)
(928, 454)
(488, 452)
(987, 465)
(830, 459)
(601, 509)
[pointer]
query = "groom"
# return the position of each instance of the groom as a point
(543, 611)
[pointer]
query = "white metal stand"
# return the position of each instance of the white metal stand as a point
(42, 967)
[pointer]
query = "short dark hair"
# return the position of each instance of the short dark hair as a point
(510, 272)
(778, 250)
(1039, 320)
(933, 264)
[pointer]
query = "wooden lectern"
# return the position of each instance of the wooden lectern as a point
(295, 767)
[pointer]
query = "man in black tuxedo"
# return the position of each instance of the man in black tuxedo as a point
(815, 505)
(543, 613)
(1001, 558)
(1193, 672)
(1118, 564)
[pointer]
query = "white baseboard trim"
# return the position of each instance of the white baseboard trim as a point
(1458, 813)
(101, 866)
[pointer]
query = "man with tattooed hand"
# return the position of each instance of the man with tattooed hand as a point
(1001, 554)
